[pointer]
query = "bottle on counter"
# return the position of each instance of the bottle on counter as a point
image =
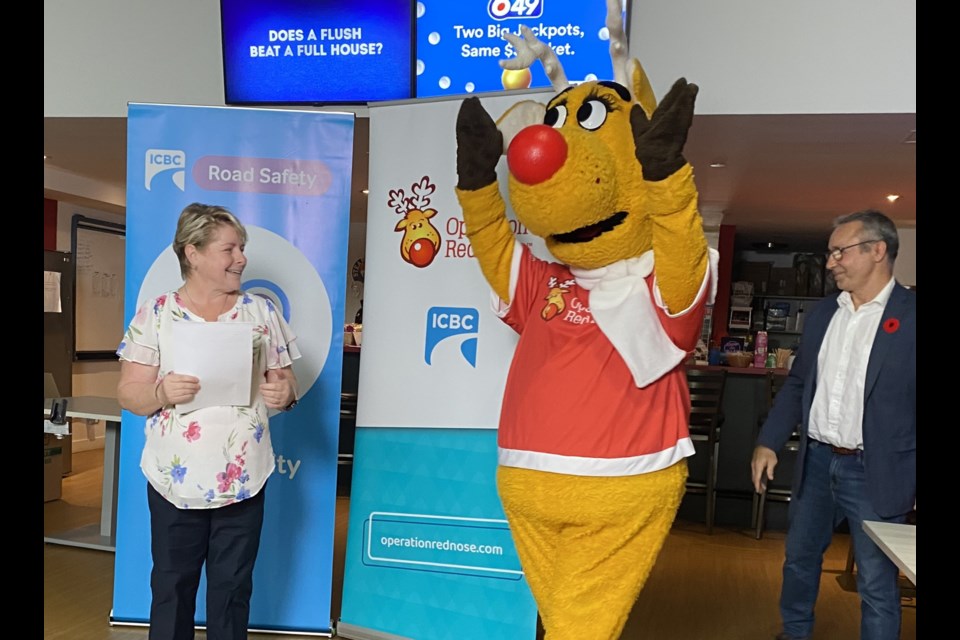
(760, 350)
(799, 322)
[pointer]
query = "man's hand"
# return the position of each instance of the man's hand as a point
(659, 141)
(479, 146)
(762, 465)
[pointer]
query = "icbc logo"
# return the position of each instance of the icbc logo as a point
(447, 322)
(161, 161)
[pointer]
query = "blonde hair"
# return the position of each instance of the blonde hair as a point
(197, 225)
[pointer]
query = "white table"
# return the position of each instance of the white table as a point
(94, 536)
(899, 542)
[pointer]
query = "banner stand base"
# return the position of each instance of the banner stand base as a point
(145, 625)
(354, 632)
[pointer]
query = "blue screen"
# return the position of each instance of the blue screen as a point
(459, 44)
(316, 51)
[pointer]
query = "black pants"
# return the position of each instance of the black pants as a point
(227, 540)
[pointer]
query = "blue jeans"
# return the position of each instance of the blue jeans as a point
(834, 487)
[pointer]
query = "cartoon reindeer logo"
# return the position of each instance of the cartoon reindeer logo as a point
(555, 300)
(421, 240)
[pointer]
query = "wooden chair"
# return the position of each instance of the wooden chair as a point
(777, 489)
(706, 418)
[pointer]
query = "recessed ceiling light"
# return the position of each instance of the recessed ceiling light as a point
(770, 246)
(718, 165)
(893, 197)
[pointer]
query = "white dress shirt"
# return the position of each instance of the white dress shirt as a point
(836, 416)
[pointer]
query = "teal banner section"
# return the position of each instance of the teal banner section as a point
(429, 555)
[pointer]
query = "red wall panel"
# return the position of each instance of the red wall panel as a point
(49, 224)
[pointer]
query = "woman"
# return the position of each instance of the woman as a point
(206, 469)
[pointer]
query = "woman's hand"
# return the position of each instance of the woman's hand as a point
(280, 389)
(177, 388)
(141, 392)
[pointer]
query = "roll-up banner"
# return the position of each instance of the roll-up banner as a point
(429, 553)
(286, 175)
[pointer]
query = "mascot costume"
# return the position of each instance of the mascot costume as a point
(593, 435)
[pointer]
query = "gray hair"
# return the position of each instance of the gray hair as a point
(877, 227)
(197, 225)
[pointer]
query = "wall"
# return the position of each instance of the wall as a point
(905, 268)
(816, 56)
(859, 55)
(89, 378)
(49, 224)
(101, 54)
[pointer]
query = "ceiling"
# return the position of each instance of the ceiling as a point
(785, 176)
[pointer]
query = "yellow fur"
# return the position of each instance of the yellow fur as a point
(587, 544)
(484, 216)
(679, 246)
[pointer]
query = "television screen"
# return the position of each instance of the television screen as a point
(316, 51)
(460, 44)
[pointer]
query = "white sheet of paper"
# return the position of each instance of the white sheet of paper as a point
(51, 291)
(221, 355)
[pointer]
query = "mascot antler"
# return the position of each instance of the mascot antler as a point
(529, 49)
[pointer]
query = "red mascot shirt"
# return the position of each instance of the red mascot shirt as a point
(571, 404)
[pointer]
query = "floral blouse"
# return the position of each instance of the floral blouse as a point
(213, 456)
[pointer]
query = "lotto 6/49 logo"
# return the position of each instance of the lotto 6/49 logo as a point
(447, 322)
(505, 9)
(162, 160)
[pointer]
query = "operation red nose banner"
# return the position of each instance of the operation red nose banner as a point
(427, 533)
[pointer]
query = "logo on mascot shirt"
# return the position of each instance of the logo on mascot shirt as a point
(556, 303)
(444, 323)
(420, 243)
(162, 160)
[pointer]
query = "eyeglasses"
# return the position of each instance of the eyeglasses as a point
(837, 254)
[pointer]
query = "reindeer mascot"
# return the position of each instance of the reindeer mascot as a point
(593, 435)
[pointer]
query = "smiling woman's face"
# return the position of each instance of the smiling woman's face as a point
(219, 264)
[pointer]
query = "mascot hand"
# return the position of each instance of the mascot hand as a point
(659, 140)
(479, 146)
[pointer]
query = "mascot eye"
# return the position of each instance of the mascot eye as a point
(592, 114)
(555, 116)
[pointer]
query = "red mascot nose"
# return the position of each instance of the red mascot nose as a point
(536, 153)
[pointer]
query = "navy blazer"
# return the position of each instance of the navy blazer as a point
(889, 402)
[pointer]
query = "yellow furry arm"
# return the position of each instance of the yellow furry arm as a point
(485, 218)
(679, 246)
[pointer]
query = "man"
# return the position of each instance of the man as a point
(853, 391)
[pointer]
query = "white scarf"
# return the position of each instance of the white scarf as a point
(620, 302)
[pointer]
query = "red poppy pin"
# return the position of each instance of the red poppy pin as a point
(891, 325)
